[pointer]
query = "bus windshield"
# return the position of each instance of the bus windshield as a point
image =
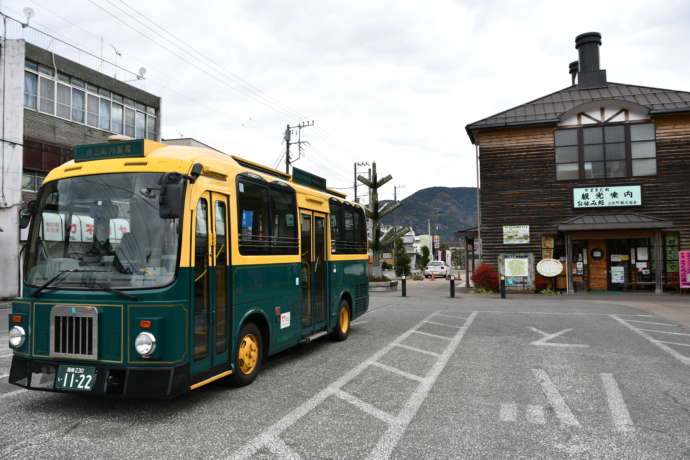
(105, 230)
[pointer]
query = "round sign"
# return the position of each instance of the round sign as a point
(549, 267)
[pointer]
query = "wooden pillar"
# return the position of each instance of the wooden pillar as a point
(467, 263)
(658, 263)
(569, 263)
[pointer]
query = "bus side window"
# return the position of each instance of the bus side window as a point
(360, 232)
(283, 212)
(349, 221)
(252, 210)
(336, 231)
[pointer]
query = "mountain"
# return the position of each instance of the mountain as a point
(451, 208)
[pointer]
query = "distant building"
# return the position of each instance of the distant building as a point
(596, 175)
(51, 104)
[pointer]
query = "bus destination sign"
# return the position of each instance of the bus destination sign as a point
(106, 150)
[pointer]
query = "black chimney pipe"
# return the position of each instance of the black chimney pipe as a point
(589, 75)
(572, 69)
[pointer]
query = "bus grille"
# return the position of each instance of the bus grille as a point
(74, 332)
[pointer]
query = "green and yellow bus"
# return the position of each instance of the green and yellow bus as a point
(154, 269)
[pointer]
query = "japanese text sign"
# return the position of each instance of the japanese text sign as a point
(684, 269)
(606, 197)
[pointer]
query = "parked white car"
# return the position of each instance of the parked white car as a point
(438, 268)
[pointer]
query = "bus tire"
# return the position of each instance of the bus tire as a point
(342, 327)
(248, 357)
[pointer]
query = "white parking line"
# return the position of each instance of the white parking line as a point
(4, 375)
(619, 411)
(675, 343)
(683, 359)
(443, 324)
(397, 425)
(395, 370)
(651, 322)
(508, 412)
(418, 350)
(663, 332)
(278, 447)
(432, 335)
(365, 406)
(535, 414)
(452, 316)
(557, 402)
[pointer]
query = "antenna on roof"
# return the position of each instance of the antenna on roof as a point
(28, 12)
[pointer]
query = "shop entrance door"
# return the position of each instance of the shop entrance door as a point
(598, 270)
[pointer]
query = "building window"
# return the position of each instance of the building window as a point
(30, 90)
(78, 105)
(47, 96)
(92, 110)
(605, 151)
(73, 99)
(32, 180)
(104, 115)
(64, 98)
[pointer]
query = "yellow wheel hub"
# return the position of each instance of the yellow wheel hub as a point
(248, 354)
(344, 320)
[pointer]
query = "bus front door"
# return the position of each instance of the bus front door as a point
(313, 271)
(211, 299)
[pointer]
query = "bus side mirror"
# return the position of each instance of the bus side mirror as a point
(26, 212)
(171, 200)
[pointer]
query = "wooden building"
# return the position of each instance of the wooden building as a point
(596, 175)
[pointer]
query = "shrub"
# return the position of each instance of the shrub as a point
(385, 265)
(378, 278)
(485, 277)
(418, 277)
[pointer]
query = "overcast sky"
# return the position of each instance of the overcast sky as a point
(388, 81)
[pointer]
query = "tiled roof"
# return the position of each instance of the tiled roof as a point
(612, 221)
(549, 108)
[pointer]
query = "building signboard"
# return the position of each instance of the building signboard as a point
(515, 234)
(516, 267)
(684, 269)
(549, 267)
(607, 197)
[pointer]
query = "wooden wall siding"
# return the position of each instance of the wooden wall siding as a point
(519, 186)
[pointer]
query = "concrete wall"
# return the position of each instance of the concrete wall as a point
(12, 129)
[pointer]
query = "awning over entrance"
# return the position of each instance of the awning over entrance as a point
(612, 222)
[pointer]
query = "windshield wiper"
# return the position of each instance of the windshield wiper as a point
(47, 284)
(107, 288)
(51, 281)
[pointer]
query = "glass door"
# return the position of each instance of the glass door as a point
(313, 272)
(211, 289)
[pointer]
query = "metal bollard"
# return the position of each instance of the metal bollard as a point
(404, 286)
(452, 288)
(503, 287)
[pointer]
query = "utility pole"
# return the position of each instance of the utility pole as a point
(375, 214)
(358, 163)
(288, 143)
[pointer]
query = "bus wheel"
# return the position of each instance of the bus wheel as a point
(249, 356)
(342, 328)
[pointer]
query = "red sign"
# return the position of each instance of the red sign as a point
(684, 269)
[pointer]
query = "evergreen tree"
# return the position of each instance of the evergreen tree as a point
(402, 259)
(425, 257)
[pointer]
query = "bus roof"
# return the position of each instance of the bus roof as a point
(144, 155)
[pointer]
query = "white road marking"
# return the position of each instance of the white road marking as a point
(683, 359)
(544, 341)
(535, 414)
(432, 335)
(451, 316)
(619, 411)
(557, 402)
(365, 406)
(508, 412)
(282, 450)
(357, 323)
(4, 375)
(395, 370)
(443, 324)
(392, 436)
(651, 322)
(675, 343)
(6, 355)
(663, 332)
(418, 350)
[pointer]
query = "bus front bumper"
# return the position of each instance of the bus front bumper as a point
(121, 381)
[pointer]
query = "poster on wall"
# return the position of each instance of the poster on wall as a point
(516, 267)
(684, 269)
(515, 234)
(618, 275)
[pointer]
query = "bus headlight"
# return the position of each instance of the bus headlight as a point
(17, 336)
(145, 344)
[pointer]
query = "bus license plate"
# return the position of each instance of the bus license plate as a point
(75, 378)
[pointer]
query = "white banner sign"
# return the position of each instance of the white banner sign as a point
(607, 197)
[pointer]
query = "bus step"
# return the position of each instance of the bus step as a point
(315, 336)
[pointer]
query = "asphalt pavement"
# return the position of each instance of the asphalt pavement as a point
(424, 376)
